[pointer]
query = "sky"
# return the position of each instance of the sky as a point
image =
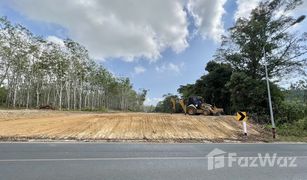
(158, 44)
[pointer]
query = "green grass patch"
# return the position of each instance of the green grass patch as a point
(294, 130)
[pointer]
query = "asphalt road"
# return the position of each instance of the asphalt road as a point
(81, 161)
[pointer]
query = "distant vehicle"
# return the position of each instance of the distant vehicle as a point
(196, 105)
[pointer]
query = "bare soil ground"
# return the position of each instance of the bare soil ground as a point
(56, 125)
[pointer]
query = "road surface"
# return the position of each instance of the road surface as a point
(80, 161)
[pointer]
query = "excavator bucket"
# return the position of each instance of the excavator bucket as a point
(217, 111)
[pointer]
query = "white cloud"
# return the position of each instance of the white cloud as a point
(207, 16)
(152, 101)
(56, 40)
(174, 67)
(128, 29)
(170, 67)
(139, 69)
(244, 8)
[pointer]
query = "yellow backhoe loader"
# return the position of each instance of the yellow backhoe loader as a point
(196, 105)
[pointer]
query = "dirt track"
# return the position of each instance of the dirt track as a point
(118, 126)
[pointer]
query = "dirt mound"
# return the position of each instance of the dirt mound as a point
(123, 126)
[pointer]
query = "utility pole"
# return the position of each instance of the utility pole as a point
(298, 20)
(269, 95)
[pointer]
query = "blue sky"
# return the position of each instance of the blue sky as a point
(159, 56)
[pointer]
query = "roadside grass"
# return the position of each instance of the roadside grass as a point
(291, 138)
(295, 131)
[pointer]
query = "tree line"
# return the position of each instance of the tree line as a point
(35, 72)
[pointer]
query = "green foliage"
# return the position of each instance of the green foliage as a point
(212, 86)
(290, 112)
(3, 94)
(149, 109)
(297, 92)
(297, 128)
(187, 90)
(248, 94)
(265, 29)
(101, 109)
(215, 90)
(165, 106)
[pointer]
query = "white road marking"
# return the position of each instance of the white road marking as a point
(134, 158)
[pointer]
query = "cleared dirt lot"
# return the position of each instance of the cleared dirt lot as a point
(57, 125)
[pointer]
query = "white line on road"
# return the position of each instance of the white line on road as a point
(132, 158)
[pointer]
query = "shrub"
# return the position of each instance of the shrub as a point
(248, 94)
(298, 128)
(290, 112)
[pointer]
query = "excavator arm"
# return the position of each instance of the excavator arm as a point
(181, 102)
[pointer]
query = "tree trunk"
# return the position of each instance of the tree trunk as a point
(28, 98)
(60, 96)
(80, 96)
(75, 98)
(48, 96)
(68, 95)
(15, 95)
(37, 96)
